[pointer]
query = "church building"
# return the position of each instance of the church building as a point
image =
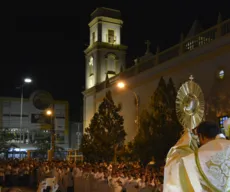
(203, 54)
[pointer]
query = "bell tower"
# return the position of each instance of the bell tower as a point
(105, 54)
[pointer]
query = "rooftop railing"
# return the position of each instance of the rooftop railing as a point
(185, 45)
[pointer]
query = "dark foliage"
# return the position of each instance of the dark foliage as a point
(105, 134)
(159, 127)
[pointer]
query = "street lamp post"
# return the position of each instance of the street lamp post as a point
(122, 85)
(25, 82)
(50, 112)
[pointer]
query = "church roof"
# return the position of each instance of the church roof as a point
(195, 29)
(106, 12)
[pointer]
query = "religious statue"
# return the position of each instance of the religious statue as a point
(148, 43)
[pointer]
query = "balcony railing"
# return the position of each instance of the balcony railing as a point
(199, 40)
(186, 45)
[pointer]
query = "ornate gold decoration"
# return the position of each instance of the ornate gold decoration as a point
(190, 104)
(216, 170)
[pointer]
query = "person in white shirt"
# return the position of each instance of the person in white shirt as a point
(67, 180)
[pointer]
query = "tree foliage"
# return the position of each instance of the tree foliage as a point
(5, 137)
(218, 100)
(159, 127)
(105, 134)
(218, 105)
(44, 144)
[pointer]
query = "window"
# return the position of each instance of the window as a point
(90, 66)
(221, 74)
(93, 37)
(111, 63)
(111, 37)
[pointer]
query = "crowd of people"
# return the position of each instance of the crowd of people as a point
(198, 162)
(65, 176)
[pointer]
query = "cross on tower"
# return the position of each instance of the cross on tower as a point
(148, 43)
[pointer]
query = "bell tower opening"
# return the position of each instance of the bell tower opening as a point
(104, 57)
(111, 37)
(105, 54)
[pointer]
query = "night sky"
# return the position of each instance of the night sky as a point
(46, 41)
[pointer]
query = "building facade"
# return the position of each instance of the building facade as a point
(27, 119)
(203, 54)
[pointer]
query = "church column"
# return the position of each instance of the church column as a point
(106, 65)
(117, 66)
(95, 102)
(84, 114)
(99, 29)
(97, 68)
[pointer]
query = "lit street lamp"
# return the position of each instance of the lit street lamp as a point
(28, 80)
(122, 85)
(50, 112)
(25, 82)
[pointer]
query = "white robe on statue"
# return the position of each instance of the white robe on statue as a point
(198, 170)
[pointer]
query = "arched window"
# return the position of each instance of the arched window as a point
(111, 63)
(90, 66)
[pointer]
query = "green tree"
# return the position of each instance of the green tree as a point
(218, 100)
(218, 105)
(168, 129)
(5, 141)
(105, 134)
(143, 143)
(159, 128)
(43, 144)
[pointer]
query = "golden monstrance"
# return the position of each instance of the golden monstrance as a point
(190, 104)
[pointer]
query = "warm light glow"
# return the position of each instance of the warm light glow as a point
(121, 85)
(27, 80)
(49, 112)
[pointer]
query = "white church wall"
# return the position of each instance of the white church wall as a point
(94, 29)
(203, 62)
(89, 109)
(204, 68)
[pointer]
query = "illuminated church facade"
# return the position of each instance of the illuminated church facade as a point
(205, 55)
